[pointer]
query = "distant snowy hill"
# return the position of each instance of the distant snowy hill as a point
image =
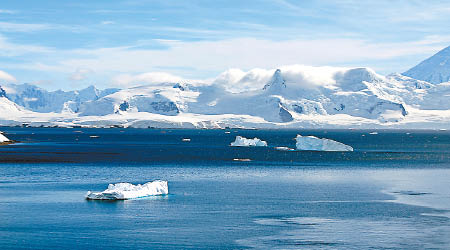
(40, 100)
(294, 96)
(435, 69)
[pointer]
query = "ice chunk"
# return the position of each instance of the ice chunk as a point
(244, 142)
(3, 138)
(319, 144)
(284, 149)
(124, 191)
(239, 159)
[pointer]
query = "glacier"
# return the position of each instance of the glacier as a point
(320, 144)
(244, 142)
(291, 96)
(124, 191)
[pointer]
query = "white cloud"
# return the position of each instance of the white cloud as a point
(3, 11)
(297, 76)
(23, 27)
(150, 78)
(236, 80)
(107, 22)
(5, 77)
(200, 59)
(12, 49)
(80, 74)
(244, 53)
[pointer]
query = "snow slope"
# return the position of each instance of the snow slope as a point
(435, 69)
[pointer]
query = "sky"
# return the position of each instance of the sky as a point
(107, 43)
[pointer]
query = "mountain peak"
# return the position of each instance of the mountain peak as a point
(435, 69)
(276, 83)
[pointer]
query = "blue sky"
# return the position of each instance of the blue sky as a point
(73, 44)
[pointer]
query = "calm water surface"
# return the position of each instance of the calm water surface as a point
(391, 192)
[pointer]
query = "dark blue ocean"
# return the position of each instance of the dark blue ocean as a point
(392, 192)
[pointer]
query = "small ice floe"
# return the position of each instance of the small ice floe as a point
(244, 142)
(284, 149)
(320, 144)
(186, 139)
(125, 191)
(373, 133)
(94, 136)
(3, 138)
(239, 159)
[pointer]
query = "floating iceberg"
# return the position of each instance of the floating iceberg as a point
(124, 191)
(284, 149)
(239, 159)
(3, 138)
(244, 142)
(319, 144)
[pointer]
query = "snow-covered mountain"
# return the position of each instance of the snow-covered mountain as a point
(41, 100)
(166, 99)
(435, 69)
(288, 97)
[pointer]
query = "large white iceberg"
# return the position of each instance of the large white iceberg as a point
(3, 138)
(124, 191)
(320, 144)
(244, 142)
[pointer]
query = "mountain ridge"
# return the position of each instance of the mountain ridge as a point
(286, 97)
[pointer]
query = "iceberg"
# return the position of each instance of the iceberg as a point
(125, 191)
(244, 142)
(239, 159)
(284, 149)
(320, 144)
(3, 138)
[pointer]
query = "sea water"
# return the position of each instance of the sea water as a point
(391, 192)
